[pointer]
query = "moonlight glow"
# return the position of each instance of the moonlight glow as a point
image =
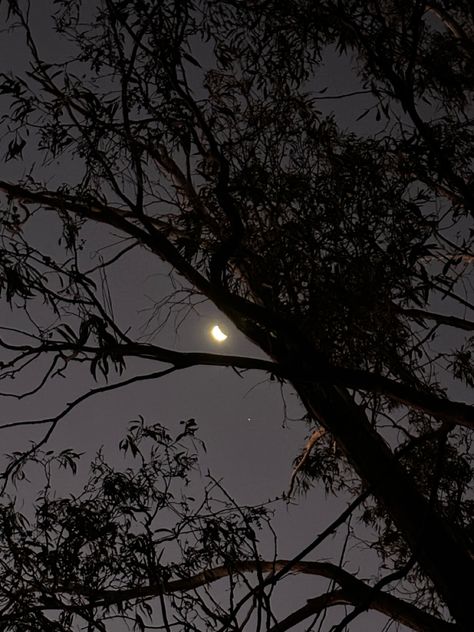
(218, 334)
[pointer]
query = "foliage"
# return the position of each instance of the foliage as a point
(131, 535)
(198, 135)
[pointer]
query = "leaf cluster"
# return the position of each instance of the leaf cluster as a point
(123, 540)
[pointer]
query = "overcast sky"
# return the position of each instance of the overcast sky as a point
(250, 443)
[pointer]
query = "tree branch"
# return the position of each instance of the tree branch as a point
(243, 312)
(353, 591)
(455, 412)
(441, 319)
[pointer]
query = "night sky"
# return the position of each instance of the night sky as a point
(250, 425)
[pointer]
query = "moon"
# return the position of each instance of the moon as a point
(218, 334)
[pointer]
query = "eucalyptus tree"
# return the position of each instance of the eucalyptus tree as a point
(200, 132)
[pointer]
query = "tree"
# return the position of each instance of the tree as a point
(192, 130)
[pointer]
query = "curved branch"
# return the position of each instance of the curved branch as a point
(315, 436)
(53, 421)
(94, 391)
(452, 25)
(353, 591)
(236, 307)
(394, 608)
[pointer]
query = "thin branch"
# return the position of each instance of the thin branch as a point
(236, 307)
(315, 436)
(277, 574)
(95, 391)
(441, 319)
(333, 97)
(53, 421)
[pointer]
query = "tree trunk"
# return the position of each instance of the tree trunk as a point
(439, 550)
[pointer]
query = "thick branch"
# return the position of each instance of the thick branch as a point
(457, 413)
(394, 608)
(354, 591)
(244, 313)
(454, 412)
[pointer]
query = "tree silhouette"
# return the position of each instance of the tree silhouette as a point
(196, 131)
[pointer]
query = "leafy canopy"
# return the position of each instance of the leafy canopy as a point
(330, 224)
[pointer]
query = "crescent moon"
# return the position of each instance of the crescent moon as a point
(218, 334)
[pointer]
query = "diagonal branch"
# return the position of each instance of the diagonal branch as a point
(441, 319)
(353, 591)
(452, 25)
(14, 465)
(239, 309)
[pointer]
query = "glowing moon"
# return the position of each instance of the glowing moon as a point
(218, 334)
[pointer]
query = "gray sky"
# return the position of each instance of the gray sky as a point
(241, 419)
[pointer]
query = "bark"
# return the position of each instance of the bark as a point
(440, 551)
(441, 319)
(353, 592)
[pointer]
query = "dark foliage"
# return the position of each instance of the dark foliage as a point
(332, 227)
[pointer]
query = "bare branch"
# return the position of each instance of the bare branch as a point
(353, 591)
(315, 436)
(441, 319)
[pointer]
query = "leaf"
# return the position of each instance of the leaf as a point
(139, 624)
(15, 149)
(191, 60)
(67, 332)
